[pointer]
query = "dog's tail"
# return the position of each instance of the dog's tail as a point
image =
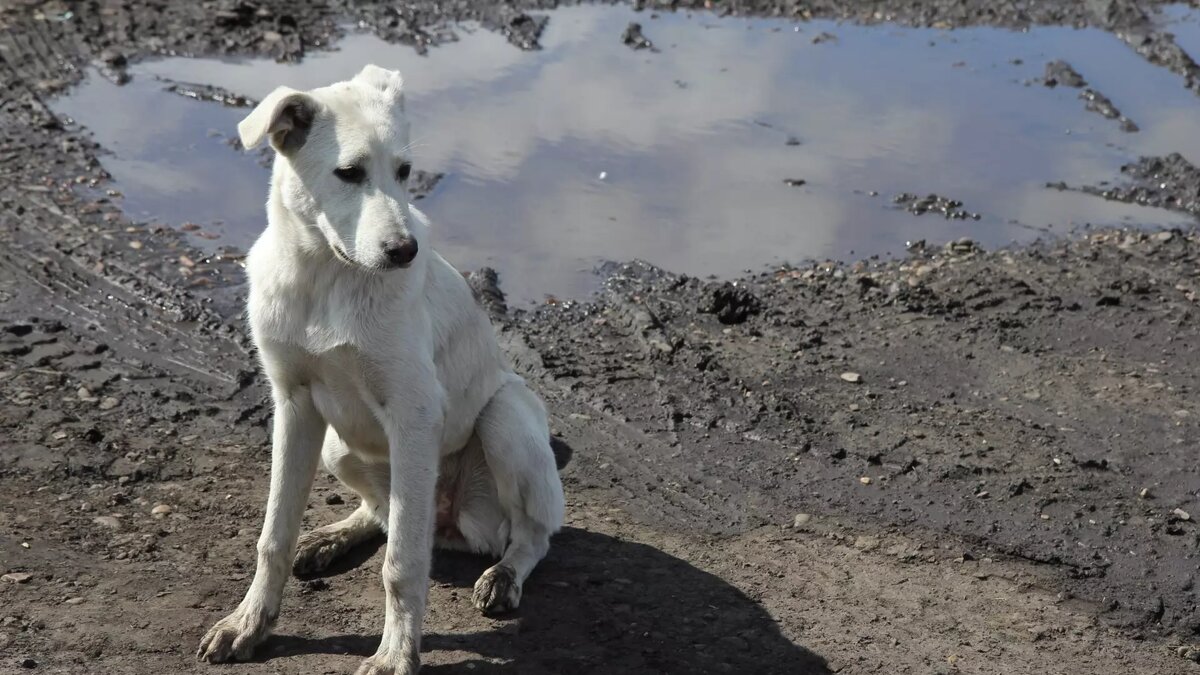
(562, 452)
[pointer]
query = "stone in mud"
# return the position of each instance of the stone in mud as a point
(732, 304)
(633, 37)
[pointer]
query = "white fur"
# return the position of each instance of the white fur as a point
(387, 373)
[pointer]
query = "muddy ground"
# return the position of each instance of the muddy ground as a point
(963, 461)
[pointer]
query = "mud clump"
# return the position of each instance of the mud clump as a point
(112, 66)
(634, 39)
(421, 183)
(1161, 49)
(1170, 182)
(732, 304)
(521, 29)
(1099, 103)
(951, 209)
(1061, 72)
(210, 93)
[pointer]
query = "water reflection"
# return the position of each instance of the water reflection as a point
(691, 141)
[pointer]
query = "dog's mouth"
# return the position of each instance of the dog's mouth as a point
(340, 254)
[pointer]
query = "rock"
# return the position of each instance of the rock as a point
(28, 663)
(17, 577)
(1145, 493)
(865, 480)
(801, 520)
(1181, 514)
(333, 499)
(852, 378)
(161, 511)
(74, 601)
(109, 402)
(111, 522)
(1164, 236)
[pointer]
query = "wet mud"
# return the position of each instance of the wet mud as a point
(1170, 182)
(955, 461)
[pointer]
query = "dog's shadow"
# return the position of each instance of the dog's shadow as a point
(600, 604)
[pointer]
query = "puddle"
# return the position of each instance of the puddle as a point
(589, 150)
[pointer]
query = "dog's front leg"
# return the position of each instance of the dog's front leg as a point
(413, 437)
(295, 448)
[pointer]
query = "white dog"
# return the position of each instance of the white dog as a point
(381, 364)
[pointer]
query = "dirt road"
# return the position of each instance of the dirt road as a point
(963, 461)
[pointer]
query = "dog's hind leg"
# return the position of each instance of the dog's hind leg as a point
(318, 549)
(516, 444)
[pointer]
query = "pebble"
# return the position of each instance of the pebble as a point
(1165, 236)
(1182, 515)
(333, 499)
(17, 577)
(108, 403)
(161, 511)
(1145, 493)
(29, 663)
(801, 520)
(853, 378)
(110, 522)
(865, 543)
(865, 480)
(1189, 653)
(74, 601)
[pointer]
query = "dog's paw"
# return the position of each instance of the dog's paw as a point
(497, 590)
(233, 638)
(381, 664)
(316, 551)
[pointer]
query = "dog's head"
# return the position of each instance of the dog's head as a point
(343, 164)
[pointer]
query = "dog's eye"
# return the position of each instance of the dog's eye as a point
(403, 172)
(350, 174)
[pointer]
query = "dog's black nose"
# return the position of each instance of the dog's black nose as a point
(400, 252)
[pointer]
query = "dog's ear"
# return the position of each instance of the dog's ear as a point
(286, 115)
(390, 82)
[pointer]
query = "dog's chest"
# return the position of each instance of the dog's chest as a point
(342, 393)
